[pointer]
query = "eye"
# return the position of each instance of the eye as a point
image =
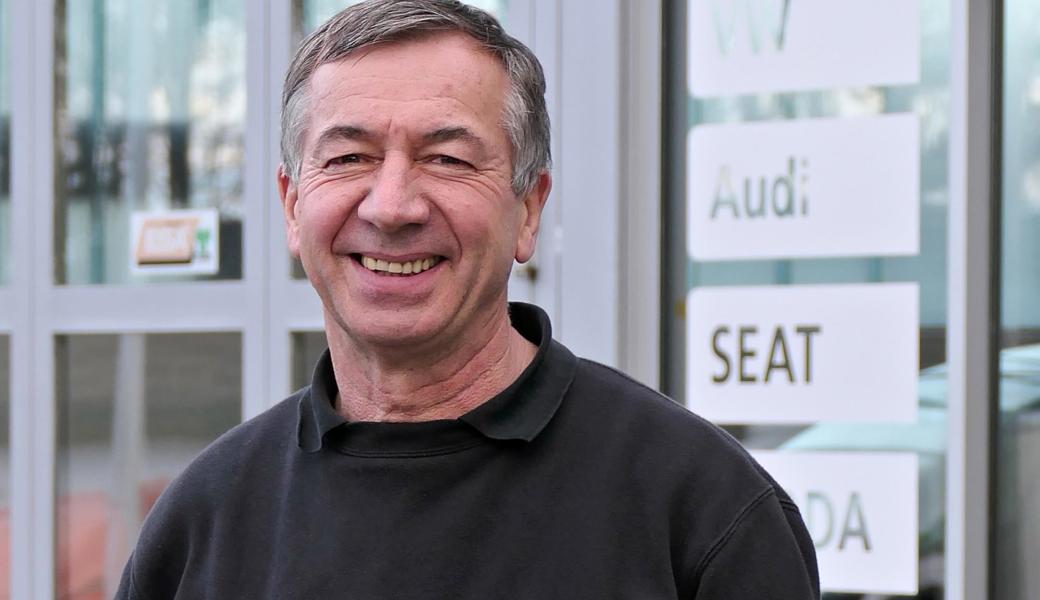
(346, 159)
(449, 161)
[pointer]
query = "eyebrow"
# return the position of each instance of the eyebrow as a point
(340, 132)
(449, 134)
(336, 133)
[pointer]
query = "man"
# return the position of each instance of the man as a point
(447, 446)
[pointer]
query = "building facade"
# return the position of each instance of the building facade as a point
(815, 223)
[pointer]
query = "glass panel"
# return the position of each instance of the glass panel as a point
(1018, 442)
(307, 347)
(5, 146)
(309, 14)
(5, 467)
(133, 410)
(150, 114)
(731, 280)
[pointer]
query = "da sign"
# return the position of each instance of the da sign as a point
(861, 512)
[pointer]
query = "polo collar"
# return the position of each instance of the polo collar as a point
(519, 412)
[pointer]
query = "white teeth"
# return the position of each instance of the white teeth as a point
(399, 268)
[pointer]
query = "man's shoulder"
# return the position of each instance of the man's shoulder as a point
(212, 488)
(609, 389)
(645, 423)
(233, 457)
(624, 392)
(270, 431)
(660, 449)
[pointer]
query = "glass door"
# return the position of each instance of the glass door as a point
(806, 240)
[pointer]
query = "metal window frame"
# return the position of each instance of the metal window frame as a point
(589, 180)
(642, 143)
(600, 247)
(32, 421)
(6, 310)
(973, 288)
(673, 182)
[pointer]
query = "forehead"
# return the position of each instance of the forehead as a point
(442, 77)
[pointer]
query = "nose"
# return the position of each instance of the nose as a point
(393, 202)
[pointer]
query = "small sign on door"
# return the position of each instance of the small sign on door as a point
(175, 242)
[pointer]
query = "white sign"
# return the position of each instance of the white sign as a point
(175, 242)
(807, 188)
(861, 512)
(803, 353)
(754, 46)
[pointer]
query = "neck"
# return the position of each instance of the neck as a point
(375, 386)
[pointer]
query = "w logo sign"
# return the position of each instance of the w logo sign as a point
(765, 46)
(763, 21)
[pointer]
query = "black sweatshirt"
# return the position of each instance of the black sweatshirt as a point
(575, 482)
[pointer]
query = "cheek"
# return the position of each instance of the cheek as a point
(485, 210)
(321, 218)
(488, 234)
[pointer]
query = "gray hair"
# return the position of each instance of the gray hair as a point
(524, 118)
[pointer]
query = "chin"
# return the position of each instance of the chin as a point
(390, 328)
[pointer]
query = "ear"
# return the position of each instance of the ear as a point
(533, 203)
(288, 191)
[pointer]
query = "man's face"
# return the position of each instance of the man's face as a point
(404, 215)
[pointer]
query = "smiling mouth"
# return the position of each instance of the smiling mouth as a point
(385, 267)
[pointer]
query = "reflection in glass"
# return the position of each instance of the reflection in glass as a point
(929, 100)
(150, 112)
(1018, 434)
(133, 410)
(307, 347)
(5, 148)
